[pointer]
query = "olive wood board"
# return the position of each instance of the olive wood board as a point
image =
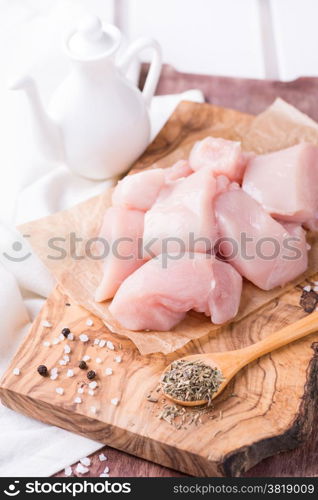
(268, 408)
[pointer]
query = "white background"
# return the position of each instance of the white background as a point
(252, 38)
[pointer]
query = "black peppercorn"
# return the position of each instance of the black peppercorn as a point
(42, 370)
(91, 375)
(66, 332)
(82, 365)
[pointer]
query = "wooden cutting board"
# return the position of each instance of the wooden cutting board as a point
(267, 409)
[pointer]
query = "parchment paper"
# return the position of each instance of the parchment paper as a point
(279, 126)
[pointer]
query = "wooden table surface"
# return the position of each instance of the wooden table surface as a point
(250, 96)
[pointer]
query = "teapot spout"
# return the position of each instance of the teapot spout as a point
(47, 131)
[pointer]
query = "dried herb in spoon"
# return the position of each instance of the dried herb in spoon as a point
(191, 381)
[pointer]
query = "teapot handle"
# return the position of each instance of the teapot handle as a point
(155, 66)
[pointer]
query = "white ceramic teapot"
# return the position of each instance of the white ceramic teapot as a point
(97, 121)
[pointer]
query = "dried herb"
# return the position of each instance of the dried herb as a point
(308, 300)
(170, 412)
(43, 371)
(152, 399)
(82, 365)
(191, 381)
(180, 417)
(91, 375)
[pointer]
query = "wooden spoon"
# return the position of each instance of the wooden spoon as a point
(231, 362)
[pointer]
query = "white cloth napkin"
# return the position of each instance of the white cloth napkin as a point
(30, 188)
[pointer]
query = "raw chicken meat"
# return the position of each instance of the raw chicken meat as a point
(180, 169)
(139, 191)
(261, 249)
(182, 218)
(223, 184)
(175, 219)
(122, 229)
(158, 295)
(286, 183)
(220, 155)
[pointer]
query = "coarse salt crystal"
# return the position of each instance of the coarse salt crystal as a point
(92, 385)
(91, 392)
(80, 390)
(70, 336)
(98, 360)
(78, 400)
(93, 409)
(118, 359)
(315, 288)
(55, 341)
(307, 288)
(66, 358)
(54, 370)
(70, 373)
(114, 401)
(61, 336)
(83, 337)
(102, 457)
(106, 470)
(86, 358)
(96, 342)
(85, 461)
(62, 362)
(59, 390)
(104, 475)
(68, 471)
(54, 376)
(110, 345)
(46, 324)
(67, 349)
(89, 322)
(108, 371)
(80, 469)
(102, 343)
(16, 371)
(46, 344)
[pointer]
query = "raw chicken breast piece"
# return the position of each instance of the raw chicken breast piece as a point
(139, 191)
(158, 295)
(261, 249)
(286, 183)
(180, 169)
(182, 218)
(223, 184)
(122, 229)
(220, 155)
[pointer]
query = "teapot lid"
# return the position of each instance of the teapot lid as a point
(92, 40)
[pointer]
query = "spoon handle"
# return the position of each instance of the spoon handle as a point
(288, 334)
